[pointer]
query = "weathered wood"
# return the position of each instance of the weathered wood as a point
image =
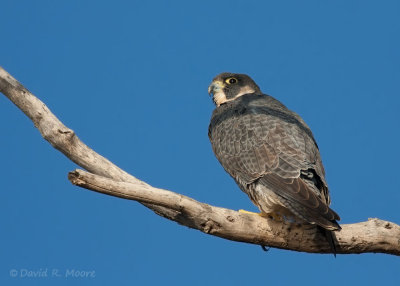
(61, 137)
(374, 235)
(56, 133)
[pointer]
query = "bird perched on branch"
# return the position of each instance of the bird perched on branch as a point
(270, 152)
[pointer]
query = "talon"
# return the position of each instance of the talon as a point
(247, 212)
(253, 213)
(265, 248)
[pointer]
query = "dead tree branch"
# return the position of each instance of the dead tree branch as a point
(374, 235)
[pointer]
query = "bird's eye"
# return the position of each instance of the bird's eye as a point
(231, 80)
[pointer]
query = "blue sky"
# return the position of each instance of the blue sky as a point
(131, 77)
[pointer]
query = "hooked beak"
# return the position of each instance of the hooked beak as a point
(215, 87)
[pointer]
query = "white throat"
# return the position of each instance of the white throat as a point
(220, 97)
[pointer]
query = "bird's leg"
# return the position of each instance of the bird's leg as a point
(253, 213)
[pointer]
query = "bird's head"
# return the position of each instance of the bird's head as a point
(229, 86)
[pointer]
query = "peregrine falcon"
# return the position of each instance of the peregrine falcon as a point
(270, 152)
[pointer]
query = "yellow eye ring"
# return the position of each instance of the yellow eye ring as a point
(231, 80)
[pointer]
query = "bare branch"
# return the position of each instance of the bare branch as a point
(63, 138)
(373, 235)
(57, 134)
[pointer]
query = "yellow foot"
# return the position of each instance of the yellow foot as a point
(253, 213)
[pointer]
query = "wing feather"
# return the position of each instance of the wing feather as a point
(274, 148)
